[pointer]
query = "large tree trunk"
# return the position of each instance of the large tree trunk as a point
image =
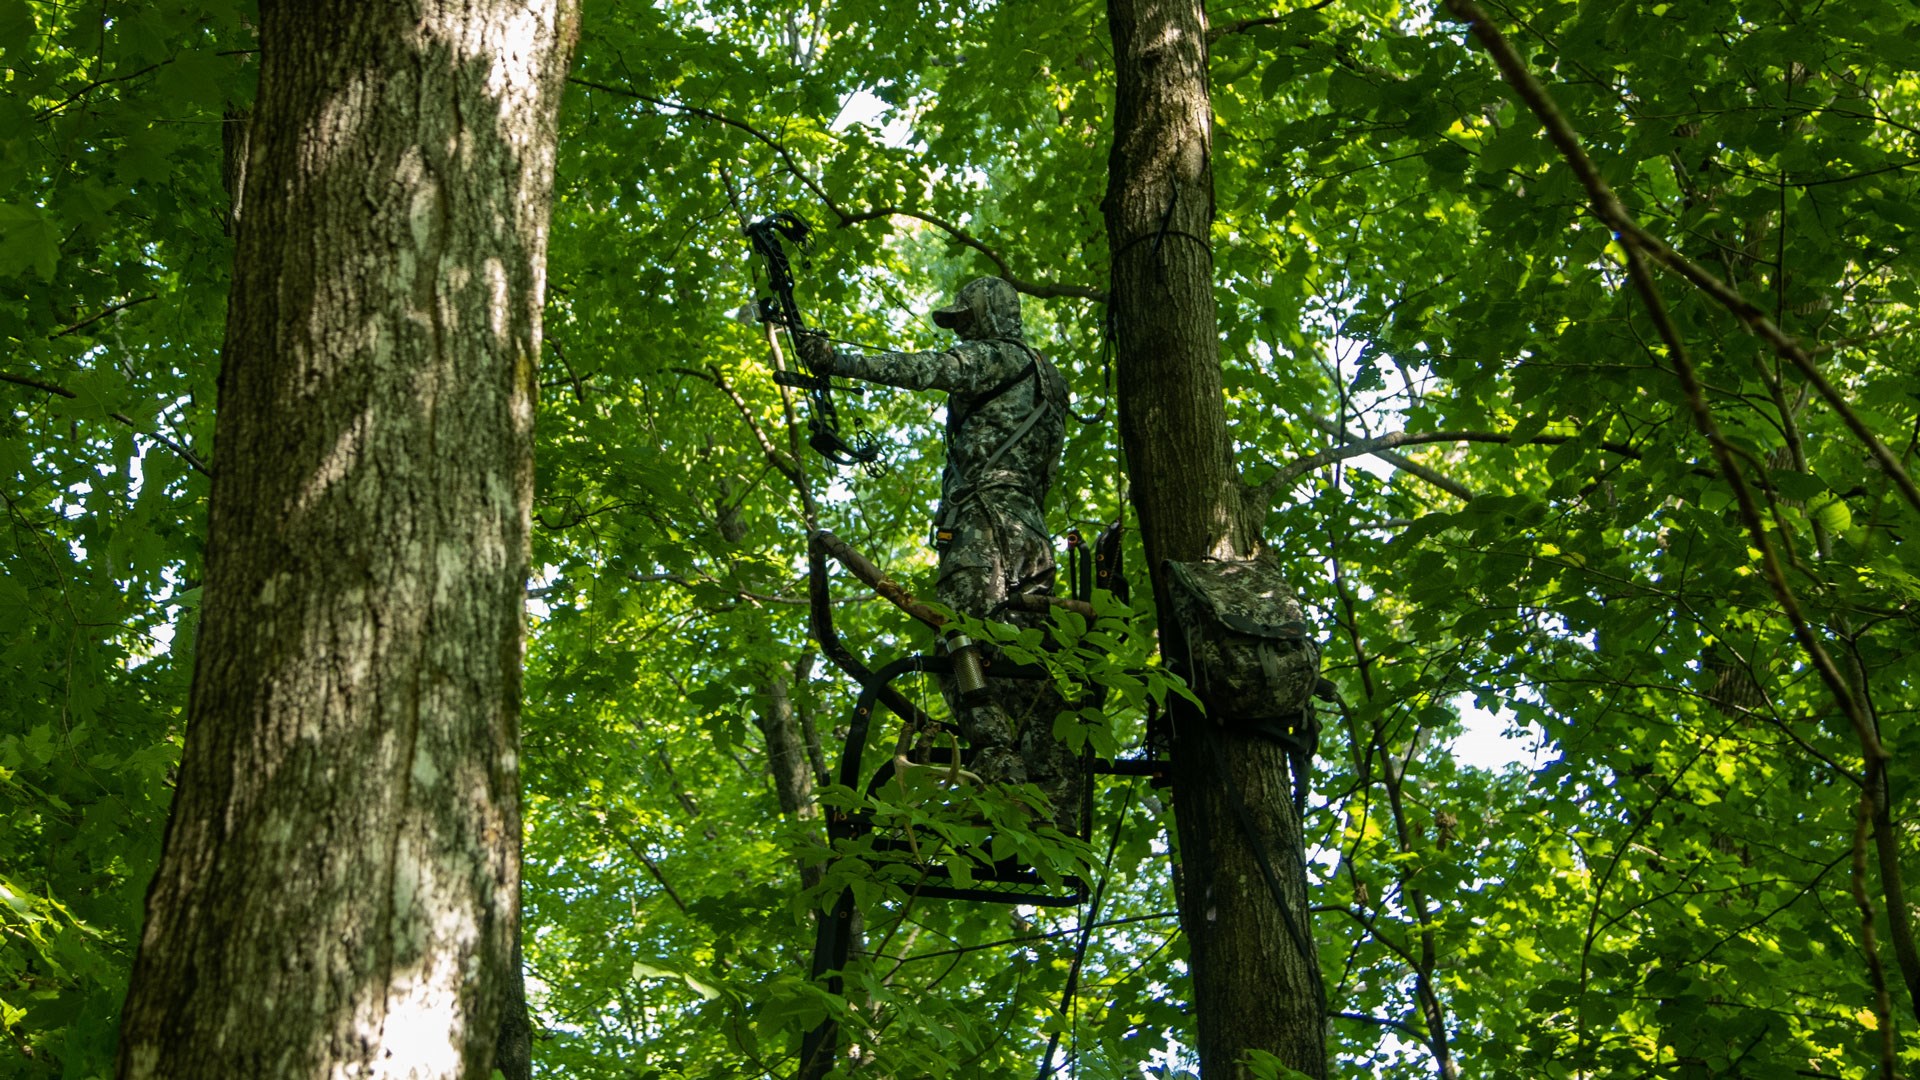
(338, 892)
(1254, 988)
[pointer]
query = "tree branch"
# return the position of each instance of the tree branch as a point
(36, 384)
(1608, 207)
(1400, 1026)
(1027, 939)
(1640, 244)
(687, 582)
(846, 218)
(1037, 290)
(892, 592)
(874, 578)
(782, 463)
(97, 316)
(1286, 474)
(48, 112)
(193, 460)
(793, 165)
(1241, 26)
(1400, 461)
(639, 852)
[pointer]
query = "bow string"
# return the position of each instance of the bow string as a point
(780, 309)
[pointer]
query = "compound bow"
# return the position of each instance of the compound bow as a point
(823, 420)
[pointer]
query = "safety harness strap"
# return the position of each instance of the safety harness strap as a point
(963, 489)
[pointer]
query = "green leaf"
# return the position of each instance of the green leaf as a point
(193, 78)
(97, 394)
(1796, 485)
(707, 991)
(28, 240)
(17, 29)
(1510, 147)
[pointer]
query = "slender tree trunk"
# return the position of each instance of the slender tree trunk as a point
(338, 892)
(788, 761)
(789, 755)
(513, 1045)
(1254, 988)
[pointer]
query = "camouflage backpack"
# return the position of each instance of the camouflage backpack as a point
(1246, 649)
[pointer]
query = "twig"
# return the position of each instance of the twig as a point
(1026, 939)
(186, 455)
(1611, 210)
(97, 316)
(1400, 461)
(1400, 1026)
(846, 218)
(687, 582)
(49, 111)
(784, 464)
(1638, 245)
(1293, 470)
(1241, 26)
(647, 861)
(1034, 289)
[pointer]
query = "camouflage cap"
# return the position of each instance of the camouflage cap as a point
(985, 307)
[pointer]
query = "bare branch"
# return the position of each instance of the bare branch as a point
(1270, 488)
(1400, 461)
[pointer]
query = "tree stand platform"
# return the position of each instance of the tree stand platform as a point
(1004, 881)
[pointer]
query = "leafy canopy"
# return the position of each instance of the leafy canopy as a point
(1671, 891)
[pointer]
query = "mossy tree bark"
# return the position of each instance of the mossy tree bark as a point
(1254, 988)
(338, 895)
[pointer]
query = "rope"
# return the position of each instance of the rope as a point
(1166, 230)
(1239, 802)
(1086, 928)
(1106, 376)
(1157, 236)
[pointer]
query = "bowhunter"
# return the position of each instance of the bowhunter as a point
(1006, 426)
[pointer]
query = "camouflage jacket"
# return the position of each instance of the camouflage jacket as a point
(1006, 412)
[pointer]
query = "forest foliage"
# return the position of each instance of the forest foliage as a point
(1678, 882)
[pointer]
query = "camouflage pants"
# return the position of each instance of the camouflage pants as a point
(1001, 549)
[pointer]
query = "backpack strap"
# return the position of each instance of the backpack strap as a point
(963, 487)
(1031, 371)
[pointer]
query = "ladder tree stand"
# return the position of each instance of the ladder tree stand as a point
(1000, 882)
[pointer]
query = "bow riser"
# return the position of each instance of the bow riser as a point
(780, 309)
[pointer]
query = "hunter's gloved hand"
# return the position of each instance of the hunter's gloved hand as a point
(815, 352)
